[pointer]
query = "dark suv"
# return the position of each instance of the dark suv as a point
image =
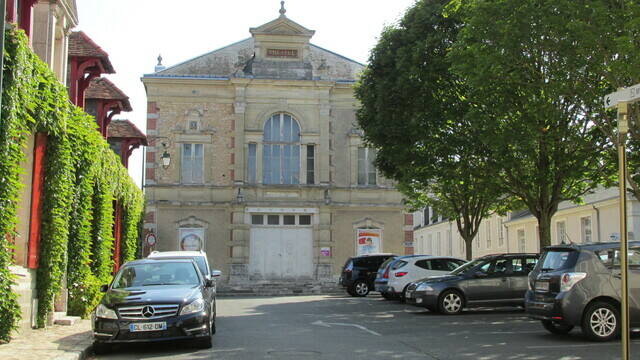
(359, 273)
(492, 280)
(579, 285)
(153, 300)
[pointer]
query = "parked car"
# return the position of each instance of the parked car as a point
(155, 300)
(359, 273)
(405, 270)
(382, 278)
(579, 285)
(200, 258)
(493, 280)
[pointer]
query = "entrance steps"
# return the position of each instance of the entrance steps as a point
(279, 288)
(61, 318)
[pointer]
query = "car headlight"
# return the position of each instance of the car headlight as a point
(105, 313)
(194, 307)
(424, 287)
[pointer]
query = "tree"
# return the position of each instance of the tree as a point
(537, 71)
(415, 113)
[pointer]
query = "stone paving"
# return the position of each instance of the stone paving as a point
(54, 343)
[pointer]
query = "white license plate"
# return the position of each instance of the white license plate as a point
(542, 286)
(153, 326)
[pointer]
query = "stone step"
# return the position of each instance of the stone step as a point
(61, 318)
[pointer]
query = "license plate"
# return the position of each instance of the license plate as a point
(542, 286)
(153, 326)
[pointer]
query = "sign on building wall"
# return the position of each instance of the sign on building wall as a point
(192, 239)
(368, 241)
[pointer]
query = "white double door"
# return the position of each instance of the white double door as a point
(281, 253)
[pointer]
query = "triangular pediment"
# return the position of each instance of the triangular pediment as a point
(282, 26)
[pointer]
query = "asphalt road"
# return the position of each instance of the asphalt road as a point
(341, 327)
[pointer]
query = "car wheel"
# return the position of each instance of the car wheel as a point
(601, 322)
(101, 348)
(557, 328)
(403, 294)
(360, 288)
(450, 303)
(213, 322)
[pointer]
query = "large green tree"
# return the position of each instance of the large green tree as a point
(415, 113)
(537, 71)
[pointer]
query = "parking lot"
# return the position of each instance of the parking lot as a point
(341, 327)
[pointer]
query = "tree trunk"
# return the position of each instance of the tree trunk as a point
(468, 247)
(544, 229)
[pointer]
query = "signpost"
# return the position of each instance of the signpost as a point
(621, 99)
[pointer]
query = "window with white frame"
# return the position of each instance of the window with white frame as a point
(281, 150)
(366, 167)
(192, 164)
(311, 151)
(561, 232)
(522, 244)
(585, 229)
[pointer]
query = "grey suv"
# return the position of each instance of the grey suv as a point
(579, 285)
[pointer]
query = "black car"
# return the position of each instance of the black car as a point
(156, 300)
(579, 285)
(493, 280)
(359, 273)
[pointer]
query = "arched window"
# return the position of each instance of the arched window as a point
(281, 155)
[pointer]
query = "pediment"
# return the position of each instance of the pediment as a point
(282, 26)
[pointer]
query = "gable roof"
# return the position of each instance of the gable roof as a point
(103, 88)
(81, 45)
(282, 26)
(125, 129)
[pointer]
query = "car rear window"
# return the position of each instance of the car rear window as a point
(559, 259)
(386, 263)
(397, 265)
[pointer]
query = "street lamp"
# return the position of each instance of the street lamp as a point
(166, 159)
(622, 99)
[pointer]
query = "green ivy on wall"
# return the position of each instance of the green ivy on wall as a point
(83, 178)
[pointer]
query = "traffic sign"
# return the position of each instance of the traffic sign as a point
(151, 239)
(629, 94)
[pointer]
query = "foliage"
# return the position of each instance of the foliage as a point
(78, 162)
(415, 111)
(537, 71)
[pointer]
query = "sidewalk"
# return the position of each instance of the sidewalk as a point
(54, 343)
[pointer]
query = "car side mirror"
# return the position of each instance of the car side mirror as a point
(480, 274)
(216, 273)
(209, 283)
(104, 288)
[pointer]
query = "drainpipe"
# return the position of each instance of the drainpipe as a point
(597, 219)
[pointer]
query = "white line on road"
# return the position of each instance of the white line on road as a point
(576, 345)
(324, 324)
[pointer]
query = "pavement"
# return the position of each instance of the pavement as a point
(56, 342)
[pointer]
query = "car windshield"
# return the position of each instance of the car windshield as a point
(202, 265)
(466, 266)
(160, 273)
(386, 263)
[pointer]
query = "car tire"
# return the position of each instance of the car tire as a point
(601, 321)
(360, 289)
(450, 302)
(213, 323)
(101, 348)
(403, 294)
(557, 328)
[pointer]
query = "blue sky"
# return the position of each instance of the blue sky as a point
(134, 32)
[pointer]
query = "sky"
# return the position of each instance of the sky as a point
(135, 32)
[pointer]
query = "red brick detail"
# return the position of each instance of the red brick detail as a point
(152, 107)
(232, 143)
(232, 161)
(233, 124)
(150, 217)
(151, 157)
(152, 124)
(408, 219)
(408, 236)
(232, 174)
(408, 251)
(150, 174)
(37, 199)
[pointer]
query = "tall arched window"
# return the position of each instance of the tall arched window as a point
(281, 155)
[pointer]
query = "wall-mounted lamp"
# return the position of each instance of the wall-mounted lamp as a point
(240, 197)
(166, 159)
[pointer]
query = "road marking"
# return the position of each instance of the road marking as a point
(324, 324)
(577, 345)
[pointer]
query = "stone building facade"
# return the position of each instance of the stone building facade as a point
(255, 157)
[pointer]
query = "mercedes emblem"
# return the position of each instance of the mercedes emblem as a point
(148, 311)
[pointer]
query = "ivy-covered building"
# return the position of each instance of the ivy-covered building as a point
(66, 235)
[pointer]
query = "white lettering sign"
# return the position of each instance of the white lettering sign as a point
(630, 94)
